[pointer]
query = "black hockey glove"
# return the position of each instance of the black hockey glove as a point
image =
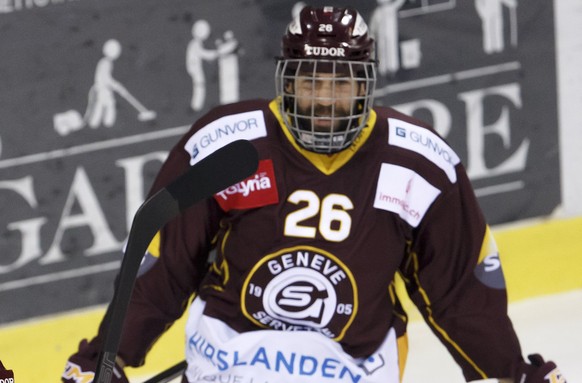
(6, 375)
(80, 367)
(539, 371)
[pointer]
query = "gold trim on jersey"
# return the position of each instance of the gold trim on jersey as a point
(432, 322)
(326, 163)
(402, 343)
(488, 247)
(155, 246)
(220, 265)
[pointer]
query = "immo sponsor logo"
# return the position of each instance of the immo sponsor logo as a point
(404, 192)
(390, 199)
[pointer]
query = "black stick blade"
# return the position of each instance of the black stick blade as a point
(225, 167)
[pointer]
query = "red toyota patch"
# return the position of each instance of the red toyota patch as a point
(258, 190)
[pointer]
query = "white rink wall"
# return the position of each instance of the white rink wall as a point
(547, 325)
(568, 15)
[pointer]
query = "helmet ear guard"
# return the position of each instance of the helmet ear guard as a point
(328, 45)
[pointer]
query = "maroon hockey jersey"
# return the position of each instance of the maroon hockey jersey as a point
(312, 242)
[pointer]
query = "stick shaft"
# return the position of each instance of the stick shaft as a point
(223, 168)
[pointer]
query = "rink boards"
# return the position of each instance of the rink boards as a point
(525, 251)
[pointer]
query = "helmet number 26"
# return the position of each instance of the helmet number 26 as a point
(334, 220)
(325, 28)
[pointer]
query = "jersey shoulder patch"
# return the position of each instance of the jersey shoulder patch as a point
(223, 131)
(424, 142)
(404, 192)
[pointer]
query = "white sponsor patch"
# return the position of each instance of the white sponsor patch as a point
(404, 192)
(217, 353)
(424, 142)
(221, 132)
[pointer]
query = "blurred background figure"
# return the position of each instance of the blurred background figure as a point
(491, 14)
(384, 29)
(228, 68)
(196, 54)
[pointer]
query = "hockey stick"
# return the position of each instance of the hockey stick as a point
(169, 374)
(221, 169)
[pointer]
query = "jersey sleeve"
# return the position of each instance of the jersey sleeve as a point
(172, 270)
(177, 259)
(453, 275)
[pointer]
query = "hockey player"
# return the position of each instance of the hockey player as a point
(293, 269)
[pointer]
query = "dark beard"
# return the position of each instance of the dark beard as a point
(341, 117)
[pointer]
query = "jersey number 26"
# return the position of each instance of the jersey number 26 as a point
(334, 220)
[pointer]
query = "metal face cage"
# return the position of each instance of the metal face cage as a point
(325, 104)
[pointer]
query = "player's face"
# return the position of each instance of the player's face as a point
(328, 98)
